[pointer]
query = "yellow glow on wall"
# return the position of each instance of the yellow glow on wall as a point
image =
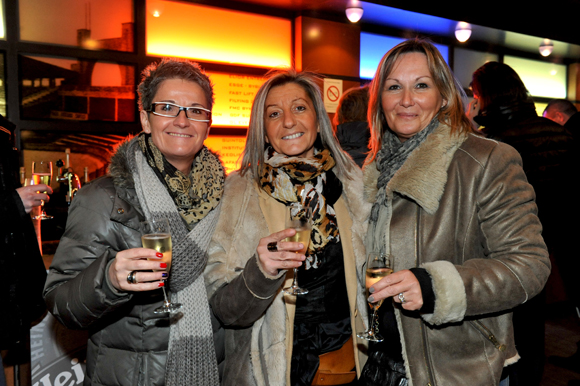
(218, 35)
(229, 148)
(234, 95)
(540, 78)
(2, 30)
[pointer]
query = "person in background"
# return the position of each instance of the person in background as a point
(22, 272)
(504, 108)
(457, 214)
(352, 129)
(101, 279)
(291, 156)
(564, 113)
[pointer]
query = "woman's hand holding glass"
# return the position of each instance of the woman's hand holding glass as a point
(150, 270)
(402, 282)
(285, 257)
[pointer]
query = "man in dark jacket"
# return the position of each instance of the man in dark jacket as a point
(22, 272)
(563, 112)
(503, 106)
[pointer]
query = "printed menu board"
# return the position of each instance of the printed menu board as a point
(229, 148)
(234, 95)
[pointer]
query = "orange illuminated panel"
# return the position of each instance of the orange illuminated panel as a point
(229, 148)
(234, 95)
(217, 35)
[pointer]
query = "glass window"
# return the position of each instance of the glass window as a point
(59, 88)
(217, 35)
(374, 47)
(467, 61)
(96, 25)
(541, 78)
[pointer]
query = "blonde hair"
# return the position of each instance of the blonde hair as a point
(452, 114)
(253, 155)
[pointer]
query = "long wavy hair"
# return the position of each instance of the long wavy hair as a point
(253, 155)
(452, 114)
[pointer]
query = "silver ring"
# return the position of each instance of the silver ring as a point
(273, 247)
(402, 298)
(132, 278)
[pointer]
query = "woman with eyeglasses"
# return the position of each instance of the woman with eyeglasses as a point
(102, 280)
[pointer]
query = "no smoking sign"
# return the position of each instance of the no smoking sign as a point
(332, 93)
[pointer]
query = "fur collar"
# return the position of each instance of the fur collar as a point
(119, 167)
(423, 176)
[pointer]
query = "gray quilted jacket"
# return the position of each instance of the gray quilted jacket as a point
(128, 342)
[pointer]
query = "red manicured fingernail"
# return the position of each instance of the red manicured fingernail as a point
(159, 254)
(162, 284)
(163, 265)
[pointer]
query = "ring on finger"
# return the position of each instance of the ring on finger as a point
(132, 277)
(273, 247)
(402, 298)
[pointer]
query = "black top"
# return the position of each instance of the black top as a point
(22, 272)
(354, 139)
(322, 319)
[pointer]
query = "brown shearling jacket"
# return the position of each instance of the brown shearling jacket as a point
(463, 210)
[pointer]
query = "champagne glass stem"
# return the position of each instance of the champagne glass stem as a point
(295, 280)
(165, 293)
(372, 330)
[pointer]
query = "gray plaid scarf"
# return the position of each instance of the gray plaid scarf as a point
(191, 358)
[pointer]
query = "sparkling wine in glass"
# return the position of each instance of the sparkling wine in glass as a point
(156, 235)
(299, 218)
(42, 174)
(378, 266)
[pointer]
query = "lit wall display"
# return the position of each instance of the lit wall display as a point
(217, 35)
(234, 95)
(541, 78)
(229, 148)
(374, 47)
(2, 29)
(103, 24)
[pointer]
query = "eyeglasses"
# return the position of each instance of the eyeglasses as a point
(165, 109)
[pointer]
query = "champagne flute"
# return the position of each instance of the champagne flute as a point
(156, 235)
(299, 218)
(378, 266)
(42, 174)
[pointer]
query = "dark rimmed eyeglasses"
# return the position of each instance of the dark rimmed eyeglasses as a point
(171, 110)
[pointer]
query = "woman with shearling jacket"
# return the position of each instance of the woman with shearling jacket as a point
(458, 215)
(291, 155)
(102, 280)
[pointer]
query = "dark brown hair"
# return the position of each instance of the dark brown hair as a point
(353, 105)
(498, 84)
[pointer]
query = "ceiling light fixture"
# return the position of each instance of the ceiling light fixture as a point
(463, 31)
(354, 14)
(546, 47)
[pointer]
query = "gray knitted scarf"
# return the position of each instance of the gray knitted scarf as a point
(390, 158)
(191, 358)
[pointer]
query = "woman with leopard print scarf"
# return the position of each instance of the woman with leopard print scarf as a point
(291, 155)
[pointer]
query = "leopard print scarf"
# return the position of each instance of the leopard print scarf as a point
(295, 179)
(194, 195)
